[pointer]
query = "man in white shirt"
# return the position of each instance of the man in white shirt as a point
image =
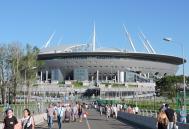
(74, 112)
(115, 111)
(136, 110)
(60, 113)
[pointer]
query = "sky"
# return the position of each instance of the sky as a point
(33, 21)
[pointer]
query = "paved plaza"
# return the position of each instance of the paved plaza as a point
(95, 121)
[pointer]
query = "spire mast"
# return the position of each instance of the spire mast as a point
(48, 42)
(94, 38)
(129, 38)
(146, 47)
(148, 43)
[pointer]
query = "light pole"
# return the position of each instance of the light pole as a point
(154, 94)
(168, 39)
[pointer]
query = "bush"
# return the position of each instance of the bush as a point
(78, 84)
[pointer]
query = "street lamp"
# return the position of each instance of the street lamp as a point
(168, 39)
(154, 94)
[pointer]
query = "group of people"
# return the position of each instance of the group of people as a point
(112, 110)
(11, 122)
(64, 113)
(167, 117)
(132, 110)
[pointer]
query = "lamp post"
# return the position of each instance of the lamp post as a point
(154, 94)
(168, 39)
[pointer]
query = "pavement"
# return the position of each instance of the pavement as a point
(95, 122)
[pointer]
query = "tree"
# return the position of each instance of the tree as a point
(30, 65)
(15, 57)
(17, 65)
(168, 86)
(4, 71)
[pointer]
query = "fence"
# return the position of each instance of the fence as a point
(35, 108)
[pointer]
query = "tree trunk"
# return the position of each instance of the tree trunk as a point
(3, 95)
(28, 94)
(14, 92)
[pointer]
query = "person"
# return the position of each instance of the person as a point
(60, 114)
(136, 109)
(50, 114)
(80, 112)
(108, 112)
(183, 115)
(125, 107)
(27, 121)
(115, 110)
(74, 112)
(10, 120)
(170, 115)
(100, 110)
(38, 106)
(162, 120)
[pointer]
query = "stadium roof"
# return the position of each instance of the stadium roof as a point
(138, 56)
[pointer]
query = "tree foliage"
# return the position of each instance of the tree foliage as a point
(168, 86)
(18, 68)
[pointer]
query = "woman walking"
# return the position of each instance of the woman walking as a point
(80, 112)
(27, 121)
(162, 120)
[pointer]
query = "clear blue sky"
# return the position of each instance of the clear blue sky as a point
(33, 21)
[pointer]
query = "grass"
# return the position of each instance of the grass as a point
(78, 84)
(149, 104)
(114, 85)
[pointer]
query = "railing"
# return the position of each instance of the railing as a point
(18, 110)
(150, 113)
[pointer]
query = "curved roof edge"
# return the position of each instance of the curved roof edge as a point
(139, 56)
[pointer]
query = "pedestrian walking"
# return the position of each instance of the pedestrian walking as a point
(183, 115)
(74, 112)
(162, 120)
(50, 115)
(136, 109)
(108, 112)
(27, 121)
(100, 108)
(114, 108)
(80, 112)
(60, 114)
(10, 120)
(170, 115)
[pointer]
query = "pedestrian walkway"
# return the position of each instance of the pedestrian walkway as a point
(95, 121)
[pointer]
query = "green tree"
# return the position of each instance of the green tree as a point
(30, 66)
(15, 56)
(4, 71)
(168, 86)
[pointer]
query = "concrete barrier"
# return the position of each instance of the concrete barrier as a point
(40, 118)
(145, 121)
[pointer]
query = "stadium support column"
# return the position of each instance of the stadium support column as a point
(92, 78)
(52, 75)
(97, 75)
(148, 75)
(106, 78)
(118, 77)
(122, 77)
(46, 76)
(41, 77)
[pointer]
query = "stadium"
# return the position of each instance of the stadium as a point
(86, 63)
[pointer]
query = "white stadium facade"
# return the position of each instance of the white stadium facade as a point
(85, 62)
